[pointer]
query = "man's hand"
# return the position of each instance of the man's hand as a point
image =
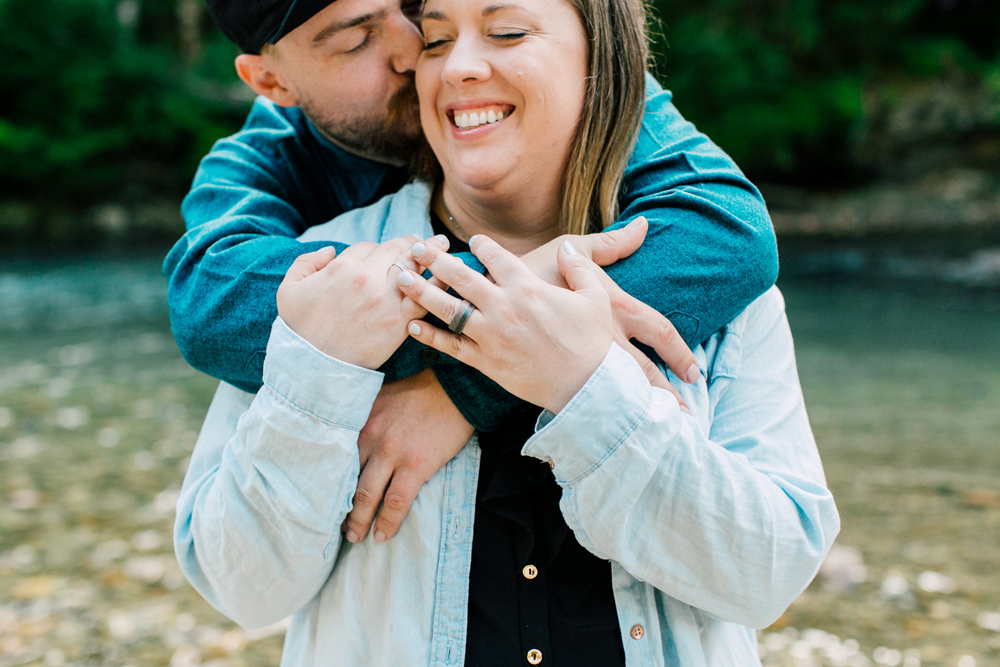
(632, 318)
(413, 431)
(348, 306)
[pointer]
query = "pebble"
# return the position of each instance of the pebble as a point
(25, 499)
(186, 656)
(843, 568)
(35, 587)
(147, 540)
(73, 418)
(108, 437)
(981, 498)
(989, 620)
(932, 582)
(894, 586)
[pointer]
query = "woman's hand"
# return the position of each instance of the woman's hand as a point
(539, 342)
(348, 306)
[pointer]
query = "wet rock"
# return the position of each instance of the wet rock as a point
(981, 498)
(42, 586)
(896, 589)
(933, 582)
(843, 568)
(186, 656)
(989, 620)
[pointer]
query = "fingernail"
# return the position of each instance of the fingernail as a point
(568, 248)
(414, 329)
(685, 409)
(352, 537)
(472, 240)
(552, 464)
(440, 238)
(405, 279)
(380, 536)
(418, 249)
(693, 374)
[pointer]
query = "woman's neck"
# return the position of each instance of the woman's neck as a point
(519, 226)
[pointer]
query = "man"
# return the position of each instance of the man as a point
(329, 133)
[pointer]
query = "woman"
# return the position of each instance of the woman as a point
(713, 522)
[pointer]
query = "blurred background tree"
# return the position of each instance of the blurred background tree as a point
(116, 100)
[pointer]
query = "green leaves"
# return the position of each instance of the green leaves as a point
(90, 98)
(773, 80)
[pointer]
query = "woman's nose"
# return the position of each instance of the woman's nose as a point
(466, 63)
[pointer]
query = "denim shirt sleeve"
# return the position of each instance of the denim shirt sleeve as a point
(710, 249)
(735, 523)
(259, 515)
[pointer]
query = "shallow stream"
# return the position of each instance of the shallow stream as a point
(98, 414)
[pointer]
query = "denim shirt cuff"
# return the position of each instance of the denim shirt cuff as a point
(595, 421)
(315, 383)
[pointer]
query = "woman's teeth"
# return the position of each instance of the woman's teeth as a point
(469, 120)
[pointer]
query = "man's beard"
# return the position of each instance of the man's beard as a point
(397, 137)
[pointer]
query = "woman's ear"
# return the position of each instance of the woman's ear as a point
(260, 74)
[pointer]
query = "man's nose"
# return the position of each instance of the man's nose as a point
(407, 44)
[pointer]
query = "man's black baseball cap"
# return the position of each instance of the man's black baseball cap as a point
(250, 24)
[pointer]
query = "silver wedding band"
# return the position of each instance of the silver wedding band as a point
(401, 267)
(461, 318)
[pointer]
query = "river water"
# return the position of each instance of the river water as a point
(900, 369)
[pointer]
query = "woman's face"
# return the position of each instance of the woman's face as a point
(502, 85)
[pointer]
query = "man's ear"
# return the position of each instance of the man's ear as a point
(258, 73)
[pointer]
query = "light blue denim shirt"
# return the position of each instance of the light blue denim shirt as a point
(714, 522)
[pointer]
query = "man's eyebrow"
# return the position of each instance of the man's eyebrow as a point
(334, 28)
(438, 15)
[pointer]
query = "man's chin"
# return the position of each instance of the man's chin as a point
(397, 144)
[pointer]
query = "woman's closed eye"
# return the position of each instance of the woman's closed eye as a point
(430, 46)
(508, 36)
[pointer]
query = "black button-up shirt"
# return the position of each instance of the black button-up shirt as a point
(566, 609)
(536, 597)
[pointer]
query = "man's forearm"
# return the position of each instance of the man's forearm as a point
(710, 249)
(222, 281)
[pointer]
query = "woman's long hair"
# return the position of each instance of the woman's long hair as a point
(612, 112)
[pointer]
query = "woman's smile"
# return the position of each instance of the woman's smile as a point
(474, 119)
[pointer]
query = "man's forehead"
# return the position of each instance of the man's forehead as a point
(341, 15)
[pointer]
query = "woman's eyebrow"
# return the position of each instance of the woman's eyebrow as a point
(492, 9)
(334, 28)
(438, 15)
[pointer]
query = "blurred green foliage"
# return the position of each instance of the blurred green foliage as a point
(118, 99)
(781, 84)
(101, 102)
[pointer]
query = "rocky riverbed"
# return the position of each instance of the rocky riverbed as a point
(99, 414)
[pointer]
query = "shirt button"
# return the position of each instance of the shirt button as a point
(637, 632)
(429, 356)
(530, 571)
(534, 656)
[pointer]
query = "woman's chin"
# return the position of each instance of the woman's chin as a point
(477, 176)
